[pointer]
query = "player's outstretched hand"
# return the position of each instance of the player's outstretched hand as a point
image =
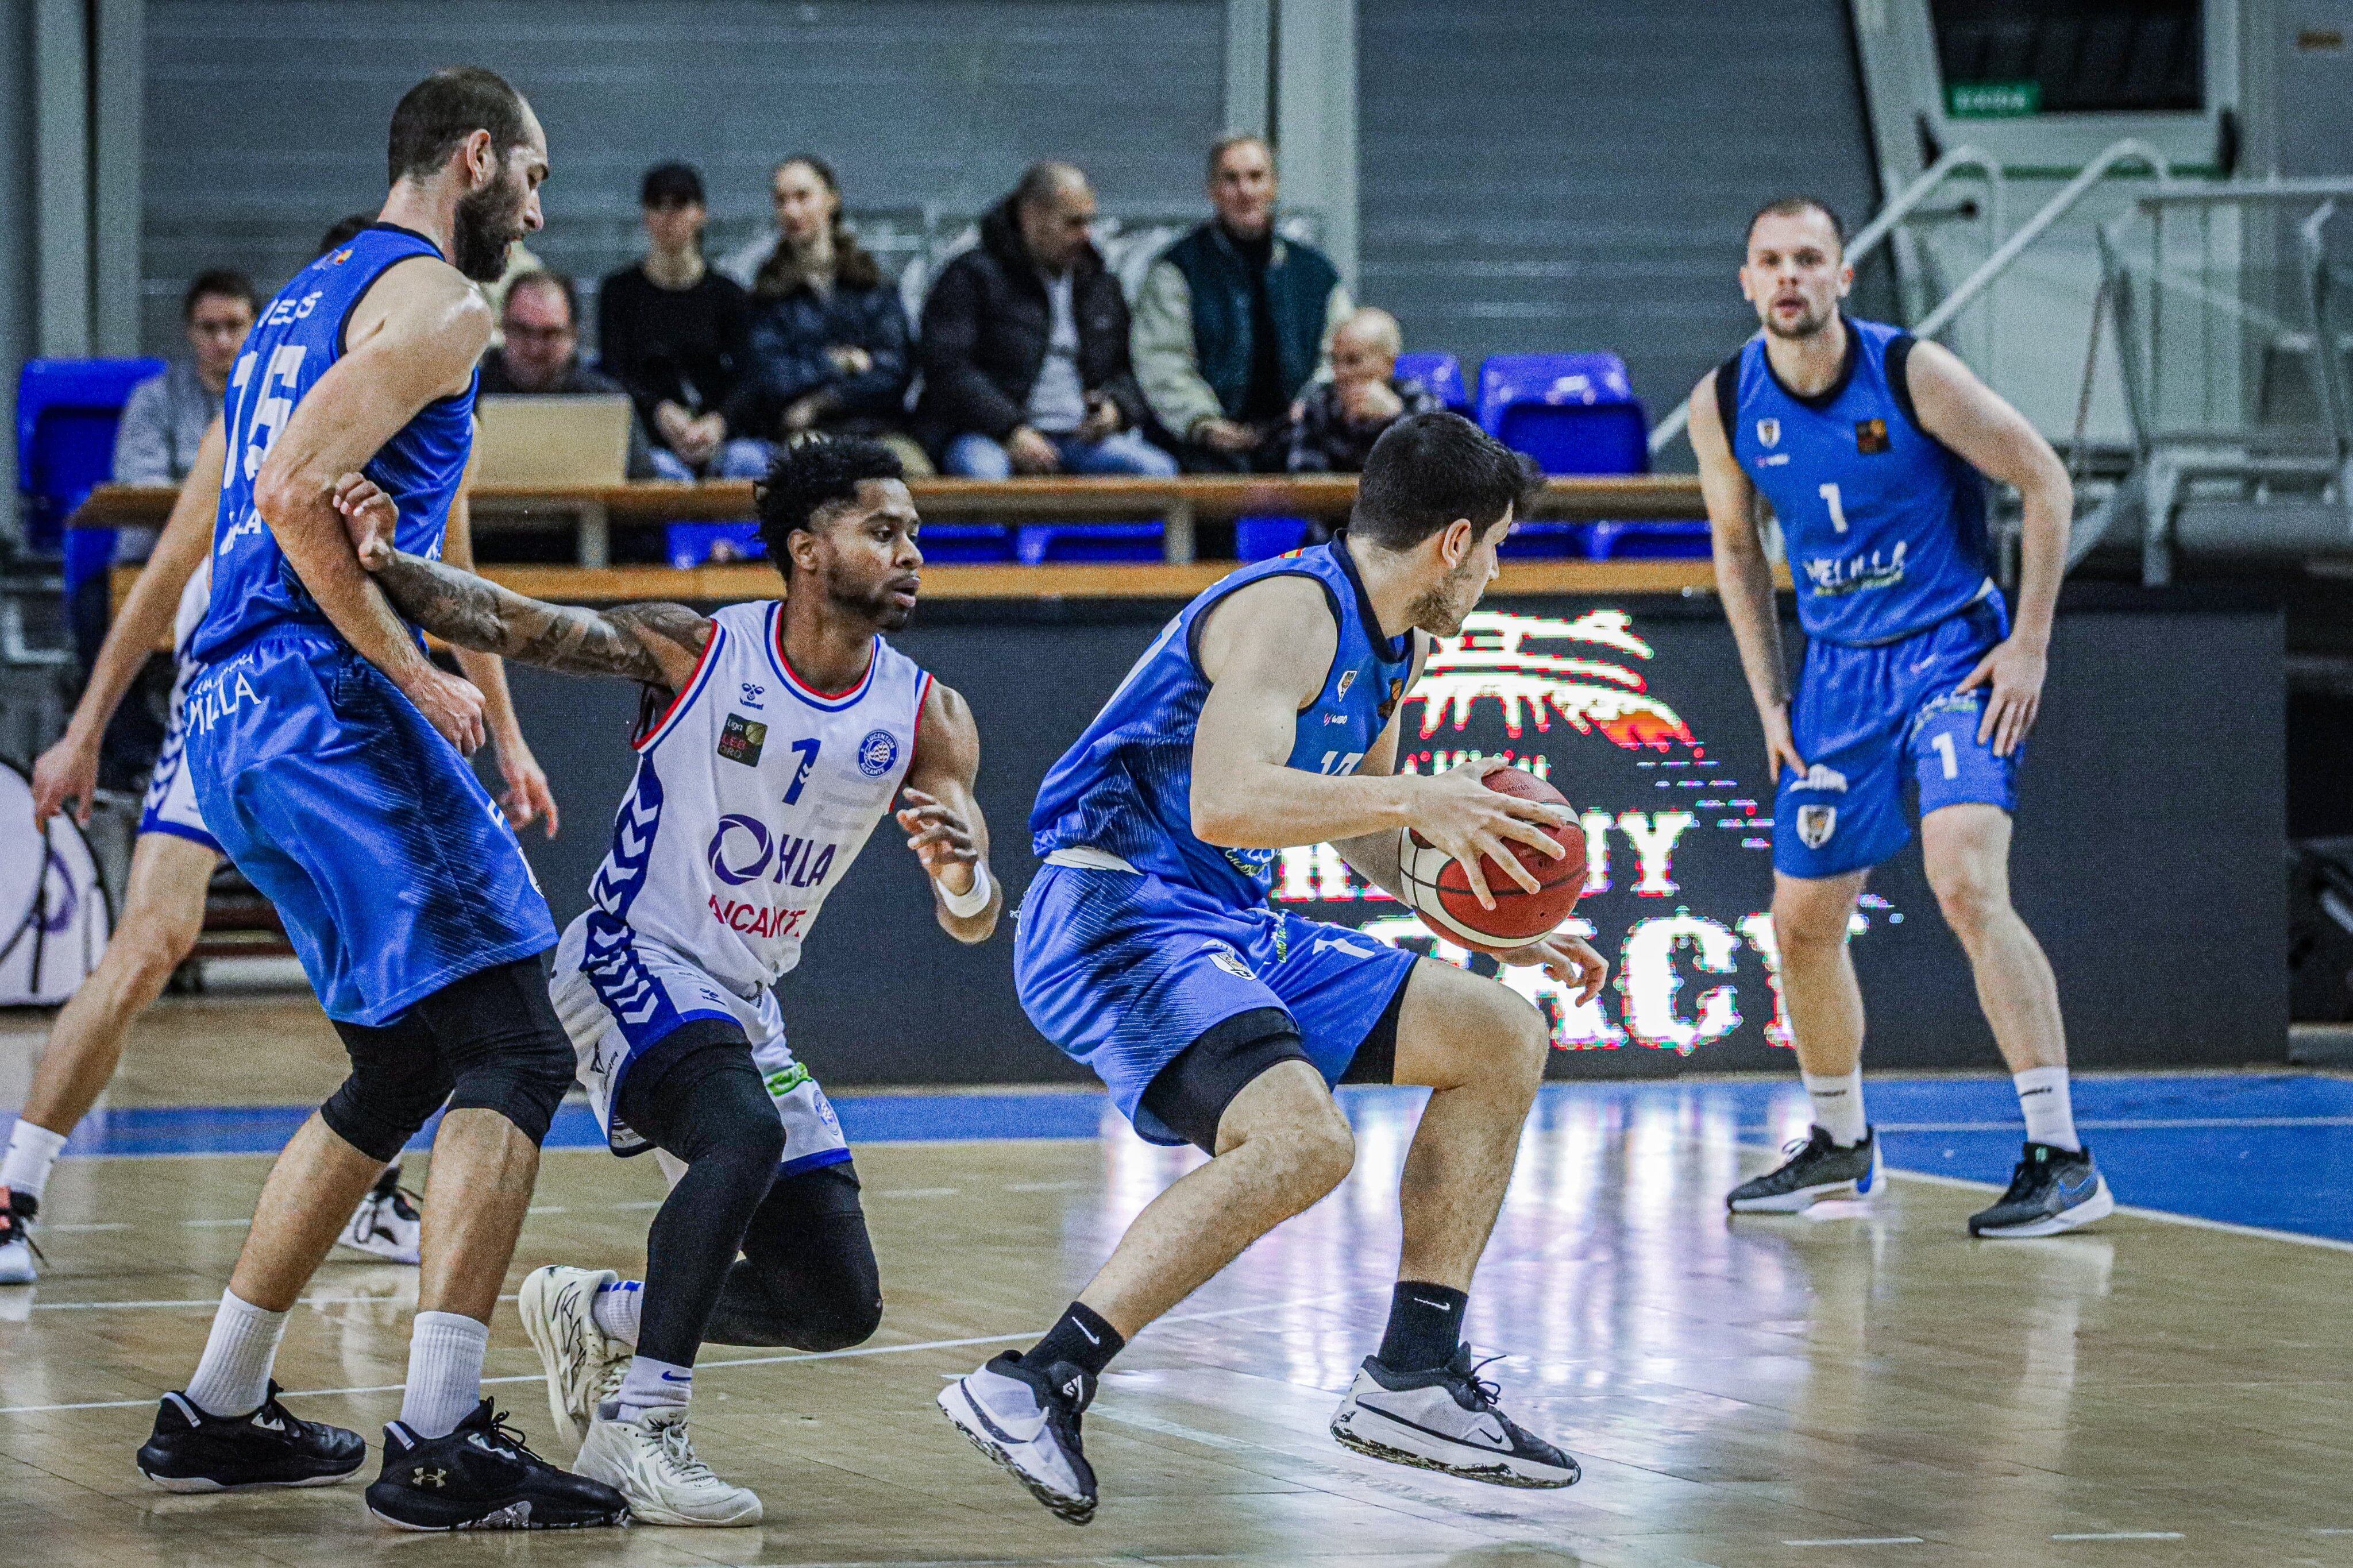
(1459, 814)
(939, 837)
(1568, 959)
(527, 798)
(450, 703)
(1781, 744)
(2012, 674)
(67, 771)
(369, 516)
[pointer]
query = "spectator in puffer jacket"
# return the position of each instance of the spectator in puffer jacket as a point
(1025, 346)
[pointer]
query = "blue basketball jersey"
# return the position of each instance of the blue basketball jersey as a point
(298, 336)
(1884, 525)
(1125, 786)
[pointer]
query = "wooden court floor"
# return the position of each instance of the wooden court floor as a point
(1859, 1387)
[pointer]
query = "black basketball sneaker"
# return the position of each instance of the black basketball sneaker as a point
(192, 1451)
(2050, 1190)
(18, 1252)
(1816, 1169)
(480, 1476)
(1445, 1419)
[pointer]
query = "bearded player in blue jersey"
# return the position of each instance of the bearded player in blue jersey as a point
(1267, 714)
(1870, 446)
(328, 756)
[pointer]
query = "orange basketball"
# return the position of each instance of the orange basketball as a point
(1439, 890)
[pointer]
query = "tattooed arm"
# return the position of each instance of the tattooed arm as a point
(658, 644)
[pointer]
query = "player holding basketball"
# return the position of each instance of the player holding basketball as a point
(1869, 445)
(328, 755)
(1266, 715)
(785, 730)
(172, 862)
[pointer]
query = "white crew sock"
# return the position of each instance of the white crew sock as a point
(1838, 1106)
(614, 1311)
(2044, 1094)
(32, 1150)
(652, 1385)
(233, 1378)
(445, 1373)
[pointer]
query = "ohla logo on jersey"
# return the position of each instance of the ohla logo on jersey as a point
(742, 850)
(1678, 844)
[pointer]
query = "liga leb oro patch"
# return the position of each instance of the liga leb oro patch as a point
(1871, 437)
(742, 739)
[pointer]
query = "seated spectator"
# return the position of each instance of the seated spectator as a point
(1335, 425)
(670, 331)
(166, 417)
(1025, 346)
(1232, 321)
(826, 345)
(539, 353)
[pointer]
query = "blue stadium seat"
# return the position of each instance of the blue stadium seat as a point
(1666, 540)
(67, 410)
(966, 543)
(691, 544)
(1263, 538)
(1039, 542)
(1542, 539)
(1574, 414)
(1440, 376)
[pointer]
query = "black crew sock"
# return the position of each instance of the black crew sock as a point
(1081, 1338)
(1425, 1326)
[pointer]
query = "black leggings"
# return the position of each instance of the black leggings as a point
(806, 1277)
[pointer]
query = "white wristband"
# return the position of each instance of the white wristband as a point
(966, 904)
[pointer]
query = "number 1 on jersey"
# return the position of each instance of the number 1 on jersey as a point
(1838, 512)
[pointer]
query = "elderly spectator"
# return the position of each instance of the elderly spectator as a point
(671, 332)
(1025, 346)
(1335, 425)
(1233, 320)
(827, 350)
(539, 354)
(166, 417)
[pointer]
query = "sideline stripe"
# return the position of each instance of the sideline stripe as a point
(747, 1361)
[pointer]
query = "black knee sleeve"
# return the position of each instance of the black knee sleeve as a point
(502, 1047)
(807, 1279)
(397, 1081)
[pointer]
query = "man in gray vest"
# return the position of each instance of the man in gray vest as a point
(1234, 320)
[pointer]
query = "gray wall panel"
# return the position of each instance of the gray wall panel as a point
(266, 117)
(1565, 176)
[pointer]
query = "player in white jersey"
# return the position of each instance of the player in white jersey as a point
(787, 729)
(171, 864)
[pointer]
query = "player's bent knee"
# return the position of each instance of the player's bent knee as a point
(1968, 901)
(1313, 1155)
(380, 1107)
(841, 1322)
(505, 1050)
(1808, 927)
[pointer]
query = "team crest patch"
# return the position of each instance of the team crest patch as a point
(1348, 678)
(1871, 437)
(1397, 691)
(1223, 955)
(741, 741)
(1768, 432)
(1816, 824)
(877, 753)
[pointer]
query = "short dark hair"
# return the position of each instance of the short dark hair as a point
(671, 184)
(445, 109)
(545, 278)
(1798, 206)
(344, 231)
(1428, 469)
(810, 475)
(218, 283)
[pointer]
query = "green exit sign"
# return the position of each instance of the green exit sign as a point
(1993, 99)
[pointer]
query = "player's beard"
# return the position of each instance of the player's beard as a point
(875, 603)
(1806, 326)
(1441, 609)
(488, 221)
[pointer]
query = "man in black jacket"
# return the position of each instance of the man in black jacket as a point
(1025, 346)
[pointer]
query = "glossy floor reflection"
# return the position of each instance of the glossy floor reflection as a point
(1856, 1386)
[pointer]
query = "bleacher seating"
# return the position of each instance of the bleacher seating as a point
(1263, 538)
(1574, 414)
(1039, 542)
(67, 410)
(1440, 376)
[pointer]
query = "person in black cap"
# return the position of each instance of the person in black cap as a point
(670, 329)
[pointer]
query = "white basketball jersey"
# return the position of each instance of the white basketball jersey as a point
(752, 796)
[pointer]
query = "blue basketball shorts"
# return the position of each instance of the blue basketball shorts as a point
(1866, 719)
(390, 864)
(1122, 971)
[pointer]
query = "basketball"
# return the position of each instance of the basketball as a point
(1440, 889)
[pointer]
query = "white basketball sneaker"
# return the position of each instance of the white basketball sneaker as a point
(1027, 1419)
(650, 1460)
(386, 1225)
(1446, 1420)
(16, 1254)
(584, 1366)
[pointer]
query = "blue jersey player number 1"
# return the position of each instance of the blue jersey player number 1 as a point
(1872, 450)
